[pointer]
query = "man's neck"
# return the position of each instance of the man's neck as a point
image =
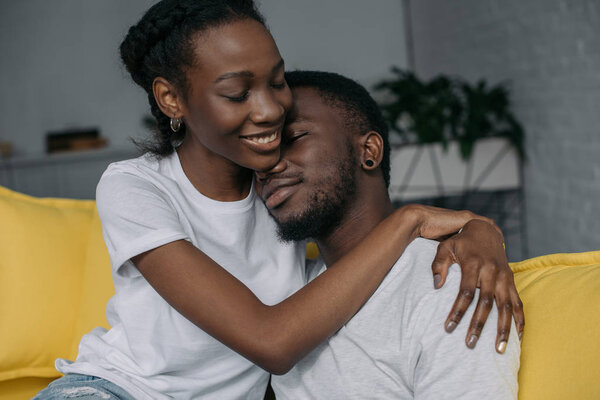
(363, 214)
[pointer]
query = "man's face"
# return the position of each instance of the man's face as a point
(308, 191)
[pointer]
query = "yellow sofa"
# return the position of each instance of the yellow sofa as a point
(55, 282)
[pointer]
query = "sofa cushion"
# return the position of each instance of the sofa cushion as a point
(43, 246)
(560, 350)
(96, 286)
(22, 388)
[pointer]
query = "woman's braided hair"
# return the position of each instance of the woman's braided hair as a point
(162, 44)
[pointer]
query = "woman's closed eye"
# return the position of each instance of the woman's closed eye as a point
(238, 98)
(280, 85)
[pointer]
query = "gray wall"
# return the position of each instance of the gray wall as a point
(550, 51)
(59, 66)
(357, 38)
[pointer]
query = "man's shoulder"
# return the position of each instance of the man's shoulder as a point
(434, 353)
(414, 269)
(419, 251)
(411, 283)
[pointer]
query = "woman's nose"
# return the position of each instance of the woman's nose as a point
(267, 109)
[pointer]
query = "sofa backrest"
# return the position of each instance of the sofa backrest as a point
(560, 352)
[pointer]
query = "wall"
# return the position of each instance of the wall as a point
(60, 67)
(550, 52)
(356, 38)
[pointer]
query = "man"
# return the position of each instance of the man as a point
(331, 185)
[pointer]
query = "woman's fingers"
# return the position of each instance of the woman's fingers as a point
(468, 284)
(505, 311)
(479, 251)
(518, 313)
(441, 263)
(487, 284)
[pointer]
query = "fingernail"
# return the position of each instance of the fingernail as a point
(502, 347)
(520, 336)
(472, 341)
(437, 279)
(450, 326)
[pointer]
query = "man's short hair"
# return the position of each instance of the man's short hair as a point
(361, 112)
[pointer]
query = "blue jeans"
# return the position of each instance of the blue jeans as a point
(82, 387)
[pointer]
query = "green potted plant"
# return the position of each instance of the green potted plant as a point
(451, 137)
(446, 109)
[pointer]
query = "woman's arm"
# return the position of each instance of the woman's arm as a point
(276, 337)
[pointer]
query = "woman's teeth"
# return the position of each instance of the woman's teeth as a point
(264, 139)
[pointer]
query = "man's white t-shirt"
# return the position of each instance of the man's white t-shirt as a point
(151, 350)
(395, 347)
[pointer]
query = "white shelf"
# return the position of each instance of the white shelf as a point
(426, 171)
(69, 175)
(67, 156)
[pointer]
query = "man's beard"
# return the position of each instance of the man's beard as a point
(325, 207)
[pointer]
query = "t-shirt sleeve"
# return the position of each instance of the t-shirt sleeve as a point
(136, 217)
(444, 368)
(314, 268)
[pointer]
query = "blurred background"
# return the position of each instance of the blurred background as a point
(495, 105)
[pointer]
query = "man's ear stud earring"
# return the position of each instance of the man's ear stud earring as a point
(369, 163)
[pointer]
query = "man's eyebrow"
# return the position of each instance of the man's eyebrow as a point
(246, 74)
(298, 119)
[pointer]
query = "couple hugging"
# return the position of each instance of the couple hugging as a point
(206, 234)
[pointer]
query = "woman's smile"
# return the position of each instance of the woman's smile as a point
(263, 142)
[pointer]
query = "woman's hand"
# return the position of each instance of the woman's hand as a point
(479, 250)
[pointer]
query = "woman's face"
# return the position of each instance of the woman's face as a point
(237, 97)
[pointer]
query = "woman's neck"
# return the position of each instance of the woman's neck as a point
(213, 175)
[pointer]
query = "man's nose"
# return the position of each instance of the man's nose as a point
(263, 176)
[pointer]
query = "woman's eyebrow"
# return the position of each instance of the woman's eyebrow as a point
(237, 74)
(246, 74)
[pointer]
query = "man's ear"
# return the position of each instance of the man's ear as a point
(167, 98)
(371, 150)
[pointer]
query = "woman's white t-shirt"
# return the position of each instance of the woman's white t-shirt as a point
(151, 350)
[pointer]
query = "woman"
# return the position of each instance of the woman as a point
(200, 277)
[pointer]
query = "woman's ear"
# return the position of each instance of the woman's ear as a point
(167, 98)
(371, 150)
